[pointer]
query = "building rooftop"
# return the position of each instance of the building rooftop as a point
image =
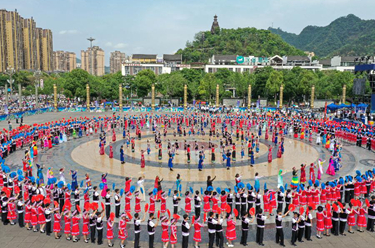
(144, 56)
(326, 62)
(348, 58)
(172, 57)
(298, 58)
(225, 57)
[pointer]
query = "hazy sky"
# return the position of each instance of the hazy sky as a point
(164, 26)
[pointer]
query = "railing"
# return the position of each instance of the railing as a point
(13, 116)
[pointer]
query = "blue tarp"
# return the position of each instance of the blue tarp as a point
(332, 107)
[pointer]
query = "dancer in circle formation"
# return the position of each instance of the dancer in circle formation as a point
(46, 204)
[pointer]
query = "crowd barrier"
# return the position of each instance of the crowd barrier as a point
(25, 113)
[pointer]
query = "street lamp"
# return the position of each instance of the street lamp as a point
(10, 72)
(37, 75)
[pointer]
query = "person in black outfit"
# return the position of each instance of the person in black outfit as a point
(219, 232)
(279, 227)
(99, 226)
(197, 204)
(185, 228)
(211, 225)
(245, 228)
(288, 200)
(371, 215)
(308, 224)
(151, 230)
(93, 226)
(343, 219)
(137, 229)
(295, 221)
(301, 227)
(335, 222)
(260, 226)
(20, 210)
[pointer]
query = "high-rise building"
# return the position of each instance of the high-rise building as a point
(47, 51)
(12, 42)
(92, 61)
(64, 61)
(116, 60)
(23, 46)
(29, 44)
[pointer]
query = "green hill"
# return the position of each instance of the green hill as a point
(345, 36)
(240, 41)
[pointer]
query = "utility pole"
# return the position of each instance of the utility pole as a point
(91, 55)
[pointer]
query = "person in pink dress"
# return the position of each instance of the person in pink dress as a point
(164, 226)
(351, 218)
(188, 200)
(231, 230)
(113, 135)
(85, 226)
(34, 217)
(101, 150)
(327, 214)
(197, 232)
(75, 225)
(67, 219)
(312, 172)
(111, 151)
(122, 231)
(109, 232)
(331, 169)
(57, 224)
(269, 154)
(152, 198)
(143, 161)
(319, 222)
(128, 198)
(361, 218)
(206, 202)
(11, 211)
(27, 214)
(41, 218)
(173, 238)
(163, 200)
(137, 207)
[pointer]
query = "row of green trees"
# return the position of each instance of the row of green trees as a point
(265, 83)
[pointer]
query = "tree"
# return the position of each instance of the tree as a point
(207, 86)
(275, 80)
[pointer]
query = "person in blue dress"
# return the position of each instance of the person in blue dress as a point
(74, 179)
(200, 162)
(178, 183)
(80, 132)
(123, 133)
(228, 159)
(122, 158)
(252, 162)
(276, 138)
(40, 174)
(170, 162)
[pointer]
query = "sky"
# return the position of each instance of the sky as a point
(163, 26)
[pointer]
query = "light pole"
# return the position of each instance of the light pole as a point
(91, 54)
(37, 75)
(10, 72)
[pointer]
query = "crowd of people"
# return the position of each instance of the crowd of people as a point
(50, 204)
